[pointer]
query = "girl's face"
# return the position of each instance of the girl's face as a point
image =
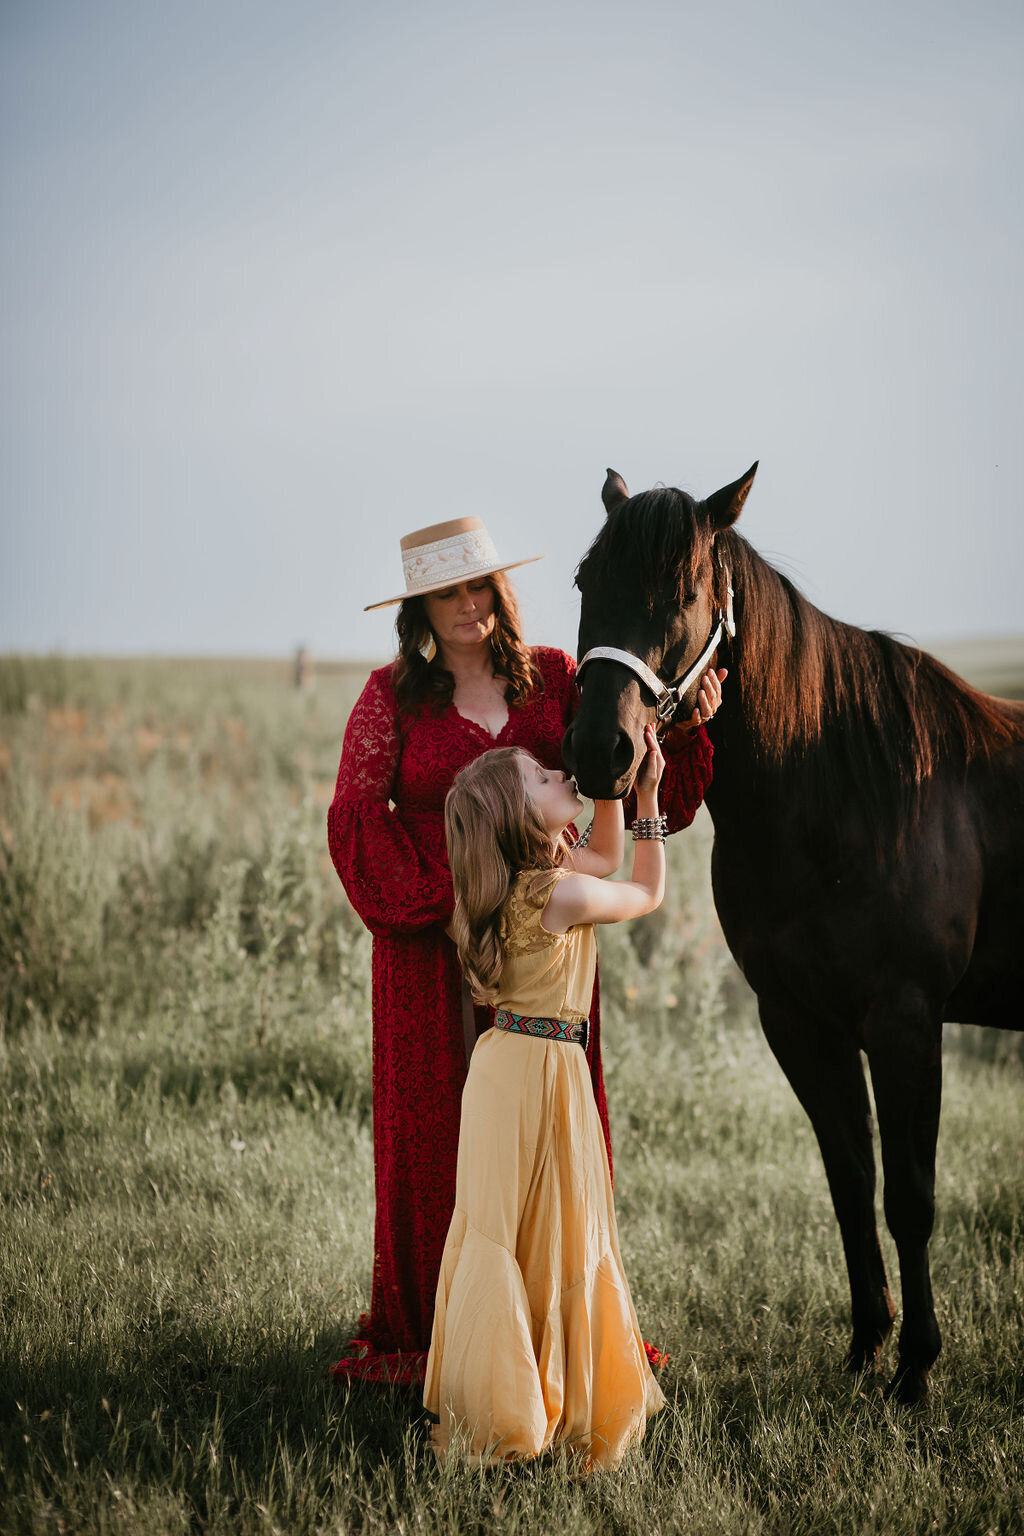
(462, 615)
(551, 793)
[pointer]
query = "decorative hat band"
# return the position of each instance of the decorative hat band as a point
(445, 560)
(446, 554)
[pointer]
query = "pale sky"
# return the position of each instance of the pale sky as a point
(283, 282)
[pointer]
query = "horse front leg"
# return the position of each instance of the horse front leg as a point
(826, 1075)
(904, 1049)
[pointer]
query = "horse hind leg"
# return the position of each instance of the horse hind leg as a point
(904, 1046)
(825, 1072)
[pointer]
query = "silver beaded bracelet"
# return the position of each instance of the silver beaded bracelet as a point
(650, 828)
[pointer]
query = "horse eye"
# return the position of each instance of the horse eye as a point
(689, 598)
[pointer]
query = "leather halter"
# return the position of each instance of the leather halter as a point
(668, 696)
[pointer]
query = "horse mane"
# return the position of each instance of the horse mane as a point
(893, 711)
(886, 712)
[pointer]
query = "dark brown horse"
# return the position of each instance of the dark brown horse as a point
(868, 863)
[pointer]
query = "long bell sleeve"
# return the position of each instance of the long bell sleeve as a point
(394, 886)
(687, 775)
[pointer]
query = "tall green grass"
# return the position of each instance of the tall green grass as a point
(186, 1175)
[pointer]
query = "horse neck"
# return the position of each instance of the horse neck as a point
(822, 710)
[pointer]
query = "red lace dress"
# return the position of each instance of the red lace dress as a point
(386, 835)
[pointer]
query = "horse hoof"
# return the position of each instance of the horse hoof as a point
(863, 1357)
(909, 1388)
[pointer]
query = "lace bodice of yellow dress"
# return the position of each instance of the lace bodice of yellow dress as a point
(546, 975)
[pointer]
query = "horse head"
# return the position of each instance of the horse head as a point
(652, 591)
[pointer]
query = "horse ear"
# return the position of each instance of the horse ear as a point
(614, 492)
(725, 506)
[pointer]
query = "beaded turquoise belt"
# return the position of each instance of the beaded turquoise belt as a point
(543, 1029)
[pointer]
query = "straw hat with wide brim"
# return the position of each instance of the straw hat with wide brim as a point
(444, 555)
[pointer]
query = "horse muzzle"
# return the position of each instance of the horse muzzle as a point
(604, 764)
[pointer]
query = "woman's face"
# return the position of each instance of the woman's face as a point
(551, 793)
(462, 615)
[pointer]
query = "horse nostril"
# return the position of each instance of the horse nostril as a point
(568, 755)
(622, 756)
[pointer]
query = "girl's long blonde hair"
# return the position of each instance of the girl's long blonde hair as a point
(493, 834)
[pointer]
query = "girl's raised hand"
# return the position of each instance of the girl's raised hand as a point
(581, 899)
(653, 766)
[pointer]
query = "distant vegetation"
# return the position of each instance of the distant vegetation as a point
(993, 664)
(186, 1174)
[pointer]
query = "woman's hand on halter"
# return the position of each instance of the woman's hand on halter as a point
(709, 698)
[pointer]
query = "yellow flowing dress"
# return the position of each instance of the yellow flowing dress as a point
(535, 1342)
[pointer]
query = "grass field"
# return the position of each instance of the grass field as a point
(186, 1173)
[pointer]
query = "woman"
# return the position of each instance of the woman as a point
(463, 682)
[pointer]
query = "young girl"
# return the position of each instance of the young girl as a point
(535, 1341)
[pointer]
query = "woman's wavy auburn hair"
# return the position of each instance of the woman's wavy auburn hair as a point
(493, 833)
(416, 680)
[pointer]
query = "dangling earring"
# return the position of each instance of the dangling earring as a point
(428, 650)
